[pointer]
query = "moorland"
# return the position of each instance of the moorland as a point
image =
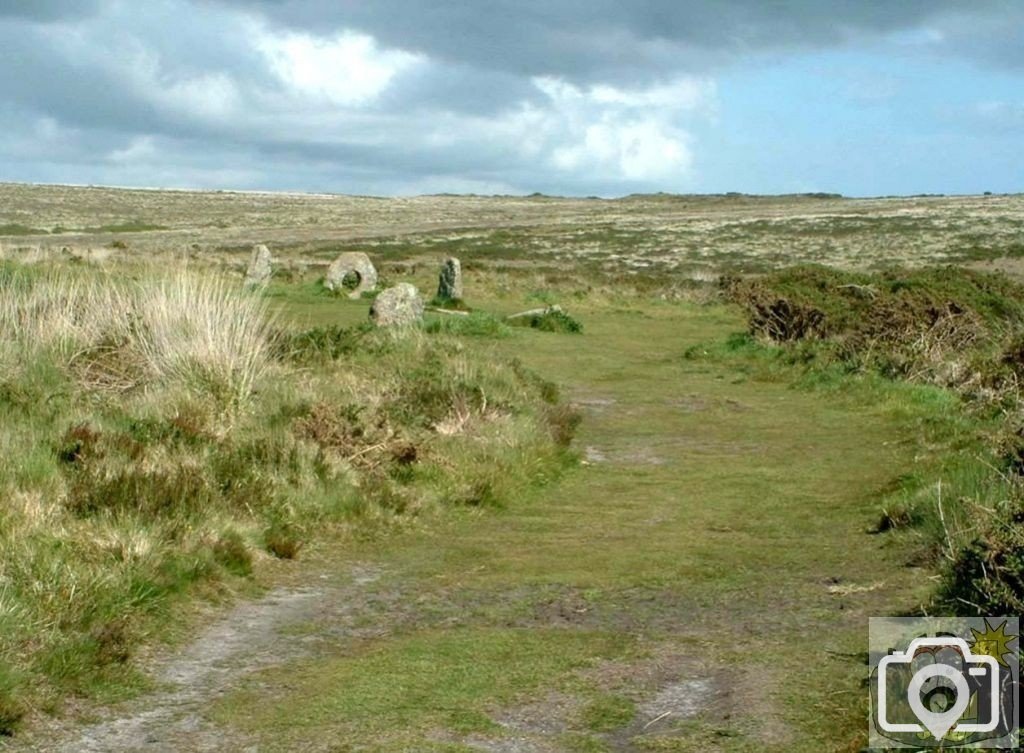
(252, 520)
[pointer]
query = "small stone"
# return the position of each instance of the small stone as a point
(260, 267)
(400, 306)
(449, 287)
(353, 272)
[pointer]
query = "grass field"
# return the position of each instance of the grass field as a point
(696, 574)
(720, 520)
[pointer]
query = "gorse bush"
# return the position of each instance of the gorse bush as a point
(983, 567)
(160, 434)
(551, 319)
(941, 326)
(322, 344)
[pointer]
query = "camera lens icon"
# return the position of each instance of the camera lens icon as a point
(945, 678)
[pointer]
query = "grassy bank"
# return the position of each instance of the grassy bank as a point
(165, 436)
(944, 345)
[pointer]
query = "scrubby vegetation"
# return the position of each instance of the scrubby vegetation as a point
(550, 319)
(131, 226)
(474, 324)
(163, 434)
(956, 334)
(16, 228)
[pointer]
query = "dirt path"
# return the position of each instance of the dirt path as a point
(701, 582)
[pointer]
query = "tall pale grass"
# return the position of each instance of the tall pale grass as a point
(204, 332)
(186, 329)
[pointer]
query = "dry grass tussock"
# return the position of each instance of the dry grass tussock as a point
(163, 438)
(186, 329)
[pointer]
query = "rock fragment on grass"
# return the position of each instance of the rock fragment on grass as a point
(400, 306)
(261, 267)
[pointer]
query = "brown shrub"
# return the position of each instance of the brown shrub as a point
(563, 420)
(332, 427)
(283, 542)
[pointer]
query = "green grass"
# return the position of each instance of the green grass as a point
(721, 527)
(129, 226)
(727, 507)
(397, 693)
(550, 320)
(14, 228)
(163, 439)
(475, 324)
(947, 343)
(608, 712)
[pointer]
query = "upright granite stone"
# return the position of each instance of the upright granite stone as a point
(400, 306)
(261, 267)
(449, 287)
(353, 272)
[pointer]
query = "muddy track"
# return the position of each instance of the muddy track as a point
(291, 623)
(251, 636)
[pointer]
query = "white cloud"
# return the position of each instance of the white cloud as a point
(210, 97)
(1001, 111)
(271, 106)
(636, 150)
(635, 135)
(347, 69)
(139, 149)
(687, 93)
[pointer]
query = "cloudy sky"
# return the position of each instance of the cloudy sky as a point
(579, 97)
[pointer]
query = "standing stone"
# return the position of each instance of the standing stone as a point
(449, 287)
(260, 267)
(352, 271)
(399, 306)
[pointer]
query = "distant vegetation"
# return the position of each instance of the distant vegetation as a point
(131, 226)
(13, 228)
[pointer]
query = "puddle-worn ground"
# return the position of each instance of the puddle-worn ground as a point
(707, 532)
(250, 636)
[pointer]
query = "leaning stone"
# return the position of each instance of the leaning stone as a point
(449, 286)
(352, 271)
(260, 267)
(399, 306)
(555, 309)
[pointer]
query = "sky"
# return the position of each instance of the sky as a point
(567, 97)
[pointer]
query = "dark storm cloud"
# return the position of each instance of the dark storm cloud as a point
(580, 96)
(461, 87)
(588, 39)
(47, 10)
